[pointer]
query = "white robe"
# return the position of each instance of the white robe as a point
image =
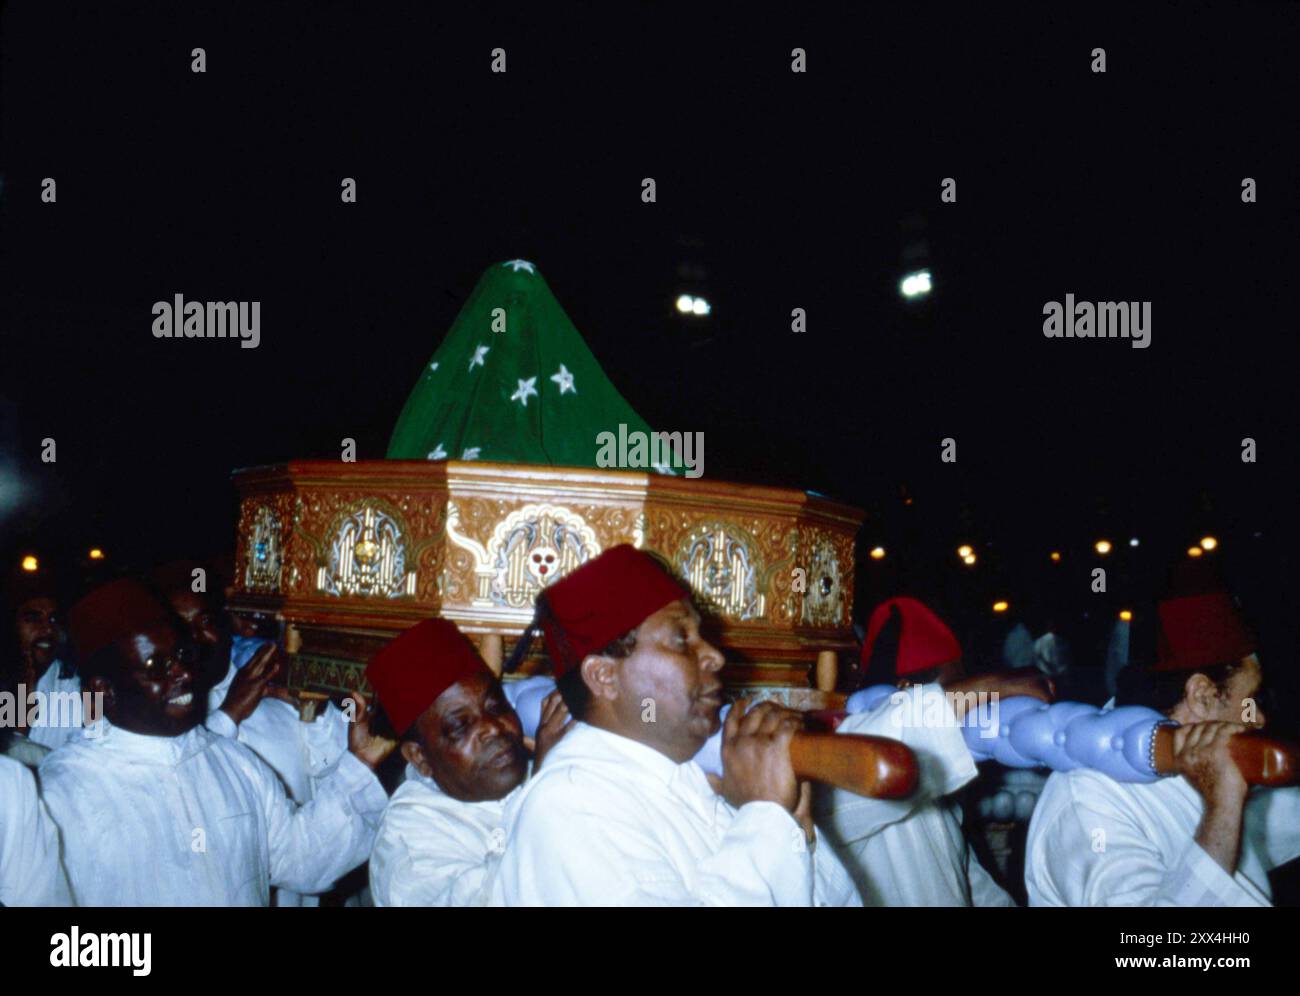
(199, 820)
(30, 873)
(300, 753)
(608, 821)
(1094, 841)
(911, 852)
(61, 718)
(296, 751)
(433, 850)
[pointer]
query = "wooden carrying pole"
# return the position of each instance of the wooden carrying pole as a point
(870, 766)
(1261, 760)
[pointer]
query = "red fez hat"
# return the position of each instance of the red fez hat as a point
(114, 611)
(419, 665)
(1200, 625)
(602, 600)
(1199, 631)
(924, 641)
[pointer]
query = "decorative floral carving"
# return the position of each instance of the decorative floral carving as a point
(262, 553)
(367, 556)
(823, 601)
(532, 547)
(717, 561)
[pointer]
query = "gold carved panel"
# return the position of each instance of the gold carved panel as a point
(357, 545)
(260, 557)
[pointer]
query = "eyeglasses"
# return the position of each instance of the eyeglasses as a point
(159, 664)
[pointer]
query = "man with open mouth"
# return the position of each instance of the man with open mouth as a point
(158, 810)
(466, 759)
(35, 670)
(238, 674)
(620, 813)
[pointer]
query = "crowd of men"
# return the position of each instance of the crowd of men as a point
(187, 774)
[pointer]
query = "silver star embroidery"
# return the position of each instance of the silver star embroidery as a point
(525, 388)
(471, 453)
(664, 468)
(432, 367)
(565, 380)
(438, 453)
(477, 359)
(520, 264)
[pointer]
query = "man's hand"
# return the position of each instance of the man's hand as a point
(555, 723)
(369, 748)
(756, 755)
(251, 683)
(1004, 684)
(1202, 756)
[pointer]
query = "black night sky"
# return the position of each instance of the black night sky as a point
(775, 190)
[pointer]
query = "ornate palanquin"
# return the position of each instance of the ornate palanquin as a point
(345, 555)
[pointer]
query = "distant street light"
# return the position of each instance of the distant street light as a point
(915, 284)
(689, 305)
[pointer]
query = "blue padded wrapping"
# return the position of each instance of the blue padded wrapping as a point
(1061, 736)
(525, 697)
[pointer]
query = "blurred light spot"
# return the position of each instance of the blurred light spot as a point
(915, 284)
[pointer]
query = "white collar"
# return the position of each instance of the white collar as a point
(142, 748)
(413, 775)
(584, 738)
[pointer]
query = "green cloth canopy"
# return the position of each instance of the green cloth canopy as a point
(515, 386)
